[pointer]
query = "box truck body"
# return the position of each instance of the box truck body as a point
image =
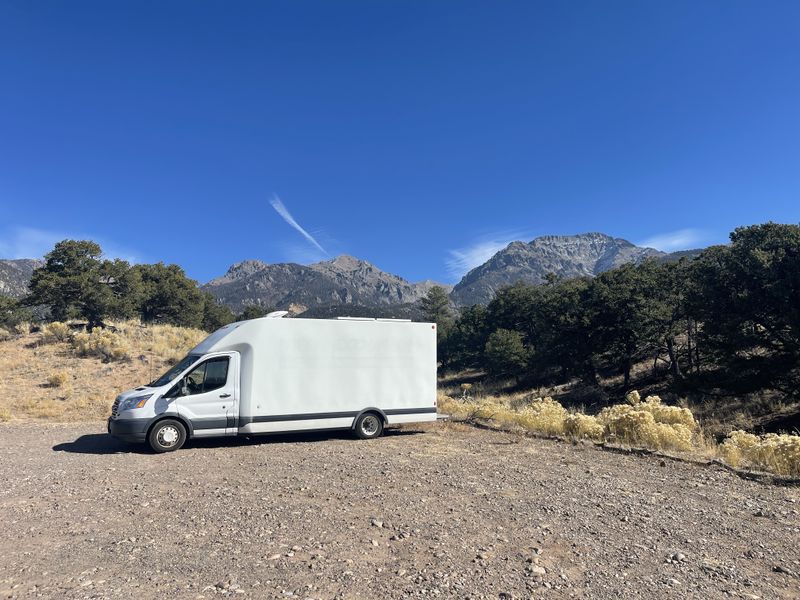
(273, 375)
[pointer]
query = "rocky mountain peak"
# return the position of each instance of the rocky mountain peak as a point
(582, 255)
(345, 262)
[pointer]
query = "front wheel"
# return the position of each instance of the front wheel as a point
(368, 426)
(167, 435)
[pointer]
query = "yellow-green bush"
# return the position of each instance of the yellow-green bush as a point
(778, 453)
(580, 426)
(23, 328)
(669, 415)
(544, 415)
(55, 332)
(649, 423)
(102, 343)
(58, 379)
(5, 414)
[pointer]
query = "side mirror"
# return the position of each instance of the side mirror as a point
(184, 388)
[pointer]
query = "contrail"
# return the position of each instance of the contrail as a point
(286, 216)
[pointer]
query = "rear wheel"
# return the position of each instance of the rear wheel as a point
(368, 426)
(167, 435)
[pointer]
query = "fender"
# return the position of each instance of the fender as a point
(175, 417)
(366, 410)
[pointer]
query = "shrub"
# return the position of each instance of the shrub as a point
(580, 426)
(669, 415)
(779, 454)
(55, 332)
(640, 428)
(102, 343)
(633, 397)
(544, 415)
(649, 423)
(58, 379)
(23, 328)
(5, 414)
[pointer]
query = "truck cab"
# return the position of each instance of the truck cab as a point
(198, 397)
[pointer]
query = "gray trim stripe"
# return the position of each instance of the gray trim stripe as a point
(410, 411)
(210, 423)
(330, 415)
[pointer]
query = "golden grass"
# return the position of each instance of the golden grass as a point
(636, 423)
(59, 375)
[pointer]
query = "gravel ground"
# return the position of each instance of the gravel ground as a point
(443, 511)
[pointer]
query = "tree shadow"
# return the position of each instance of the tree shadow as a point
(103, 443)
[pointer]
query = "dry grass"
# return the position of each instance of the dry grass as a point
(635, 423)
(60, 375)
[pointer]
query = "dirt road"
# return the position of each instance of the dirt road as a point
(441, 512)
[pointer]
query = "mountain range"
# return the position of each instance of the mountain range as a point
(15, 274)
(349, 285)
(345, 280)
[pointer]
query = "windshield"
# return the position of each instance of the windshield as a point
(175, 371)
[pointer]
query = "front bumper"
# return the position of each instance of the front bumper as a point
(128, 430)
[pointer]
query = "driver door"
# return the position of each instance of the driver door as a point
(209, 397)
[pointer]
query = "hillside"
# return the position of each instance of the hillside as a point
(15, 275)
(345, 280)
(568, 256)
(47, 377)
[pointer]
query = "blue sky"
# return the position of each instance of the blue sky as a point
(420, 136)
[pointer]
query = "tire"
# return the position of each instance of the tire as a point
(167, 436)
(369, 426)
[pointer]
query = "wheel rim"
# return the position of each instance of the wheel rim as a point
(369, 425)
(168, 436)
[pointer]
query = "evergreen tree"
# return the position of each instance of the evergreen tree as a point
(436, 309)
(169, 296)
(76, 282)
(12, 313)
(215, 315)
(505, 353)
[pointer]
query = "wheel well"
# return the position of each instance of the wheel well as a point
(177, 418)
(375, 411)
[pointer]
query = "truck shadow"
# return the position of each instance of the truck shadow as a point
(103, 443)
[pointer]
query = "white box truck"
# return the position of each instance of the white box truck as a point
(274, 375)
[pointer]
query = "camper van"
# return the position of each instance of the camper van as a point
(274, 374)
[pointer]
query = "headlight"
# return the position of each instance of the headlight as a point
(135, 402)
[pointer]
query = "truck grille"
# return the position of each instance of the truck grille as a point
(115, 408)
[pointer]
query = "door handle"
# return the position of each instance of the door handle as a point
(224, 395)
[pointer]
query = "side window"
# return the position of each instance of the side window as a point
(216, 373)
(194, 380)
(208, 376)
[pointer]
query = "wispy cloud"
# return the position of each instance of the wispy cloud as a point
(462, 260)
(682, 239)
(30, 242)
(290, 220)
